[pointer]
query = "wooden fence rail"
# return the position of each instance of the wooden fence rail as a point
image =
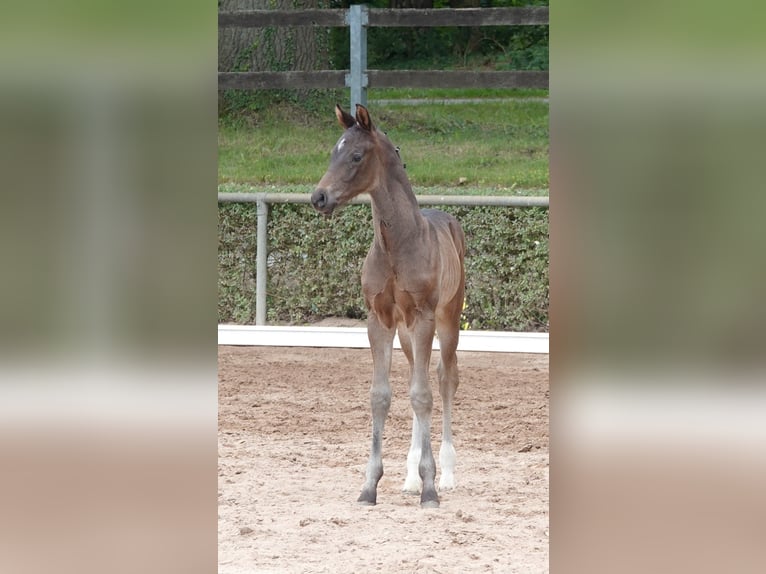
(382, 17)
(358, 18)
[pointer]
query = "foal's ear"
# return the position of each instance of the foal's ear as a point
(363, 118)
(345, 119)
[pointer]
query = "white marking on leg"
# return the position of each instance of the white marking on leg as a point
(447, 459)
(413, 483)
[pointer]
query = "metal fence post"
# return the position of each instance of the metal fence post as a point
(261, 258)
(357, 18)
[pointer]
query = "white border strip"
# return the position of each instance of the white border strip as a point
(356, 338)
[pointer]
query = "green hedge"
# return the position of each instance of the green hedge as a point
(315, 264)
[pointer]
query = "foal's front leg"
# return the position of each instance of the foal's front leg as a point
(381, 344)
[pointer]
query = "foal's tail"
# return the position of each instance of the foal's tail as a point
(458, 240)
(452, 250)
(458, 237)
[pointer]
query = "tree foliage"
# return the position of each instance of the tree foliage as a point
(501, 48)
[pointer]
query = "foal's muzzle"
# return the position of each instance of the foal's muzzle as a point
(322, 201)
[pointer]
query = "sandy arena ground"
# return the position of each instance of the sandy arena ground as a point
(293, 439)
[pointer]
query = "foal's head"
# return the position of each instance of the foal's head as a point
(357, 163)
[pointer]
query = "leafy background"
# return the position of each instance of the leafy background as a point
(314, 264)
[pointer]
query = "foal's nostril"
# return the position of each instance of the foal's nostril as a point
(318, 199)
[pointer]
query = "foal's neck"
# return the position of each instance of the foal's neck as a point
(395, 211)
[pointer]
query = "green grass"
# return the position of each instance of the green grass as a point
(489, 148)
(447, 93)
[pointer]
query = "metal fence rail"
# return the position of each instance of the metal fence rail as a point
(264, 199)
(472, 200)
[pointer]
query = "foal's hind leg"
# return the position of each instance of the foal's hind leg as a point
(448, 329)
(413, 483)
(422, 333)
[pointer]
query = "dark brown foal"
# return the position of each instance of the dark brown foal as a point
(413, 281)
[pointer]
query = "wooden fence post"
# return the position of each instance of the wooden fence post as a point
(357, 19)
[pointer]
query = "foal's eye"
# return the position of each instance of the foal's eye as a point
(356, 158)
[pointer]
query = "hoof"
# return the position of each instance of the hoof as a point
(412, 486)
(367, 499)
(429, 499)
(447, 483)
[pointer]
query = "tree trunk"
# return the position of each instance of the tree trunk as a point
(271, 49)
